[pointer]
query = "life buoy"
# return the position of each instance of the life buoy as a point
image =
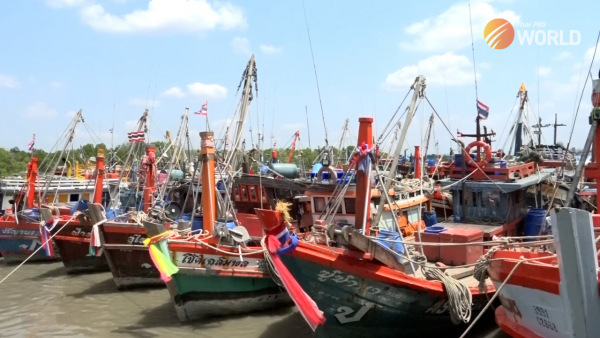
(332, 174)
(488, 154)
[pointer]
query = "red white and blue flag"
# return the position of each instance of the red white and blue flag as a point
(482, 110)
(136, 136)
(31, 144)
(203, 111)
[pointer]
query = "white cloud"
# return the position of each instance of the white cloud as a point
(182, 16)
(268, 49)
(241, 45)
(8, 82)
(563, 56)
(544, 71)
(452, 69)
(174, 92)
(144, 103)
(39, 110)
(450, 31)
(55, 84)
(65, 3)
(207, 91)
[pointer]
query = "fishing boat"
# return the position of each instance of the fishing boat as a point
(368, 282)
(24, 231)
(221, 271)
(534, 286)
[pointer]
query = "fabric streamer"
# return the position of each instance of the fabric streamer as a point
(307, 307)
(95, 245)
(45, 238)
(156, 247)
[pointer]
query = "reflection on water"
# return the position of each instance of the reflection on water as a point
(40, 299)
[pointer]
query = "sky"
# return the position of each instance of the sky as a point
(114, 58)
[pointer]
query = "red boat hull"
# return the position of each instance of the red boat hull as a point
(73, 243)
(128, 258)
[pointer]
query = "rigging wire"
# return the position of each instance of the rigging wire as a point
(582, 91)
(316, 78)
(473, 50)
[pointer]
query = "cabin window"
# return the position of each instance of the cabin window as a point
(350, 205)
(236, 193)
(518, 197)
(244, 192)
(63, 198)
(264, 195)
(331, 201)
(73, 197)
(413, 215)
(253, 196)
(474, 195)
(319, 204)
(460, 199)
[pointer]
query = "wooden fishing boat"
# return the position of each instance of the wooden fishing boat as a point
(20, 231)
(535, 294)
(221, 271)
(367, 288)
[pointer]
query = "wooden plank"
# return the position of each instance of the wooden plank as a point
(367, 245)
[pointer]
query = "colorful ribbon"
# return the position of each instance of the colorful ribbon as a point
(95, 244)
(157, 248)
(307, 307)
(45, 238)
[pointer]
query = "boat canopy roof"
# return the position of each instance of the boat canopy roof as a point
(506, 186)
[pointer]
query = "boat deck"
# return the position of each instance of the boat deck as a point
(489, 230)
(462, 274)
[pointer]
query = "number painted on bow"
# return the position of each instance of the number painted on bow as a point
(344, 313)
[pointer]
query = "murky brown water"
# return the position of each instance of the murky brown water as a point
(41, 300)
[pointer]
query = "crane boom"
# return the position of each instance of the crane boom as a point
(296, 138)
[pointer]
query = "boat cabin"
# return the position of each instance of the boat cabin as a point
(496, 205)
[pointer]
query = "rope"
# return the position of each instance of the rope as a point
(459, 295)
(498, 292)
(480, 270)
(46, 242)
(271, 266)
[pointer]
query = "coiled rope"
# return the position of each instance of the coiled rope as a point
(459, 295)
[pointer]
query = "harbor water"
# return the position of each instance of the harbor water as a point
(41, 300)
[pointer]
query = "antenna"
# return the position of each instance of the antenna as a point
(539, 127)
(556, 125)
(307, 126)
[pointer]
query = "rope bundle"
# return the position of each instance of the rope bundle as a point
(459, 296)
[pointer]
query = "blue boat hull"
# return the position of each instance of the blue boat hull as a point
(17, 243)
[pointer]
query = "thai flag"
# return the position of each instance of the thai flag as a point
(203, 111)
(31, 144)
(136, 136)
(482, 110)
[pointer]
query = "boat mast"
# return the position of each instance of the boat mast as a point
(71, 133)
(556, 125)
(519, 126)
(99, 177)
(419, 88)
(539, 127)
(247, 77)
(31, 179)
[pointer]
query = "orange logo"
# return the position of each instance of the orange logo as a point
(499, 33)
